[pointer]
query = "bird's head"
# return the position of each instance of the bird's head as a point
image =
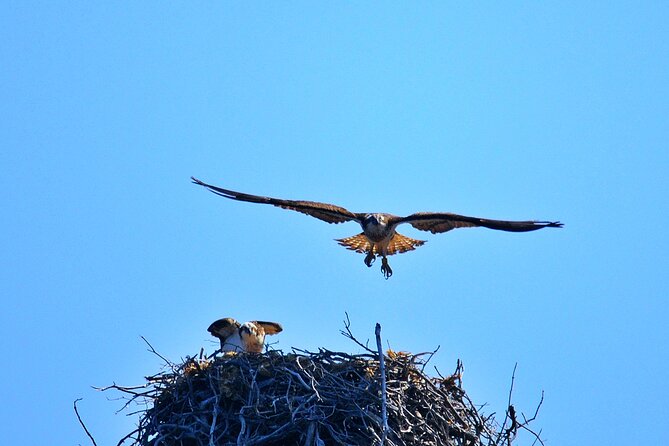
(253, 334)
(253, 337)
(374, 219)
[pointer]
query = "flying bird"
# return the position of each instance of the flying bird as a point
(379, 236)
(246, 337)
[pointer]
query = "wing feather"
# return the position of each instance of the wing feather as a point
(437, 222)
(323, 211)
(270, 327)
(224, 328)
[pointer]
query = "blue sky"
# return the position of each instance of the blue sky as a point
(549, 111)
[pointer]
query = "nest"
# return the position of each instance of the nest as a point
(303, 398)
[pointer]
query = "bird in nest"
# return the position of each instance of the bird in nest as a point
(379, 236)
(247, 337)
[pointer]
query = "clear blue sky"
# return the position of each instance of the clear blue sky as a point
(550, 110)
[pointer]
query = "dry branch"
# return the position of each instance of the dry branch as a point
(81, 422)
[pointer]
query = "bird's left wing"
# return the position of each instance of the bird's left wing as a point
(270, 327)
(323, 211)
(436, 222)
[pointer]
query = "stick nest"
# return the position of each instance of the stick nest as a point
(303, 398)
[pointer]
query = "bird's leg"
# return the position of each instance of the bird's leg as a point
(385, 268)
(370, 257)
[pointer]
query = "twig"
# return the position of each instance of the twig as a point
(349, 334)
(523, 425)
(214, 415)
(508, 434)
(513, 429)
(503, 429)
(122, 440)
(384, 390)
(153, 350)
(76, 411)
(429, 358)
(536, 412)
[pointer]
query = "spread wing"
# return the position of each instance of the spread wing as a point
(270, 327)
(224, 328)
(322, 211)
(436, 222)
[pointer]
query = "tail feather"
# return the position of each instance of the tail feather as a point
(399, 244)
(357, 243)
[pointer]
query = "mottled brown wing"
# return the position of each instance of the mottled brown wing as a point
(270, 327)
(224, 328)
(322, 211)
(436, 222)
(401, 243)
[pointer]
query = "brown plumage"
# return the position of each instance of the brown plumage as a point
(398, 244)
(246, 337)
(379, 236)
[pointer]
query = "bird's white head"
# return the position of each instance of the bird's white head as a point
(252, 334)
(375, 226)
(375, 219)
(253, 337)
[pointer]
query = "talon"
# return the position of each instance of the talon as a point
(369, 259)
(385, 268)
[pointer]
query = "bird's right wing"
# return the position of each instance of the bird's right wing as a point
(323, 211)
(224, 328)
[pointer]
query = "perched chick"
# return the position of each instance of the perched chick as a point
(246, 337)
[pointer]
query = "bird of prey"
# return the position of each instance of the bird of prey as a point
(246, 337)
(379, 236)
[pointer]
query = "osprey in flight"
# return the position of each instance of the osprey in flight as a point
(378, 236)
(246, 337)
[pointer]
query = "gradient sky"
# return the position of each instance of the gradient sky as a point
(522, 110)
